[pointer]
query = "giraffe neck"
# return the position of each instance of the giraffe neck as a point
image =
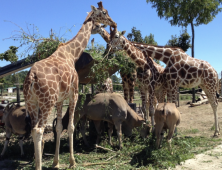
(159, 52)
(105, 35)
(135, 54)
(75, 47)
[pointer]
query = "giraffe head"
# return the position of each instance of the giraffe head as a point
(98, 29)
(117, 39)
(101, 15)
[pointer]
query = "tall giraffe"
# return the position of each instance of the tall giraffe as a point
(151, 79)
(130, 81)
(54, 79)
(185, 71)
(127, 79)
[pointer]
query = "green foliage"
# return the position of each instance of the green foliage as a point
(46, 48)
(182, 13)
(135, 36)
(10, 55)
(105, 62)
(183, 41)
(14, 78)
(150, 39)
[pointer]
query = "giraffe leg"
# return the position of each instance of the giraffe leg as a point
(131, 93)
(126, 92)
(58, 133)
(151, 107)
(214, 103)
(37, 134)
(72, 104)
(147, 101)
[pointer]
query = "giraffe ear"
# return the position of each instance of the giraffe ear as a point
(123, 32)
(94, 9)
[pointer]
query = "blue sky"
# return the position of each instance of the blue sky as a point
(61, 15)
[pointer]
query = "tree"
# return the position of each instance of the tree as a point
(183, 41)
(183, 13)
(10, 55)
(135, 36)
(150, 39)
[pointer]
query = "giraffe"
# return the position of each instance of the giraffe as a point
(185, 71)
(106, 86)
(54, 79)
(150, 78)
(129, 79)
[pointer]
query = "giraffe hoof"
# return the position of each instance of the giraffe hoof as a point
(216, 135)
(55, 165)
(72, 163)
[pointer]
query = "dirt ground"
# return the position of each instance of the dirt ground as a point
(195, 121)
(198, 121)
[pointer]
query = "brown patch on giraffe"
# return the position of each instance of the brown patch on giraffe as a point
(61, 55)
(63, 86)
(158, 56)
(50, 77)
(48, 64)
(51, 91)
(183, 56)
(167, 53)
(174, 76)
(177, 66)
(182, 73)
(41, 75)
(186, 66)
(84, 43)
(77, 44)
(78, 51)
(165, 60)
(44, 89)
(67, 48)
(194, 75)
(200, 72)
(73, 52)
(173, 70)
(189, 76)
(192, 69)
(36, 86)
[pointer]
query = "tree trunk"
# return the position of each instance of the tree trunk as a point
(192, 28)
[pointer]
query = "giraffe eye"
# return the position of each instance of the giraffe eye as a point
(104, 12)
(116, 36)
